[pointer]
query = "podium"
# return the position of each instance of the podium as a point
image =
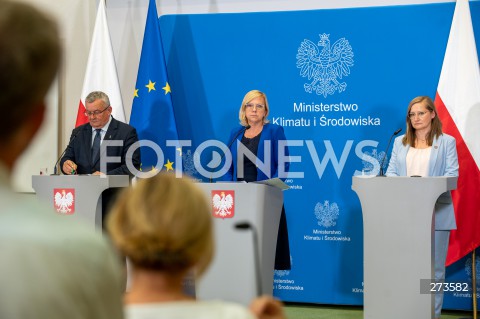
(398, 241)
(77, 195)
(242, 255)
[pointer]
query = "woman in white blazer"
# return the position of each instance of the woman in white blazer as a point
(426, 151)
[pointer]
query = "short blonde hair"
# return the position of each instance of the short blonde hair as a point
(248, 97)
(163, 223)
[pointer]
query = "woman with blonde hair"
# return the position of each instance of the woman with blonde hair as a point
(266, 141)
(163, 225)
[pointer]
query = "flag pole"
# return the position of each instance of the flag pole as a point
(474, 287)
(474, 283)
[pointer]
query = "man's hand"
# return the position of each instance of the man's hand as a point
(69, 167)
(97, 173)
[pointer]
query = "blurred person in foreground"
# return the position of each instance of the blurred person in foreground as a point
(164, 227)
(254, 130)
(424, 150)
(50, 268)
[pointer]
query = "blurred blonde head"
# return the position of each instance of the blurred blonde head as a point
(163, 223)
(247, 98)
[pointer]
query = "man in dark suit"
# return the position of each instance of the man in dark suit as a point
(84, 154)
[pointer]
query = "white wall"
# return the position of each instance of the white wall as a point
(126, 20)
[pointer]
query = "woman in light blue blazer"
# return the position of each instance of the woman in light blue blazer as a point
(426, 151)
(267, 142)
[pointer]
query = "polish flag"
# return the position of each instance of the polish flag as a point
(458, 104)
(101, 73)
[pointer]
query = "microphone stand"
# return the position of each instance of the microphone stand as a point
(63, 153)
(247, 226)
(231, 142)
(382, 173)
(56, 163)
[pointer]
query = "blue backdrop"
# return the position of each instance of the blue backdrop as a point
(397, 52)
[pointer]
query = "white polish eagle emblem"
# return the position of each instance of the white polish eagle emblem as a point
(325, 65)
(223, 204)
(64, 200)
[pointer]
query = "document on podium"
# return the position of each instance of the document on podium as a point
(275, 182)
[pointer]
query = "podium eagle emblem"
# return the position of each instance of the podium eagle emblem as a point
(64, 200)
(223, 203)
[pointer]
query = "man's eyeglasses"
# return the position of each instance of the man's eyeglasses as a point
(95, 113)
(258, 106)
(420, 114)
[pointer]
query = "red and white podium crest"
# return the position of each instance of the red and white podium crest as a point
(223, 204)
(64, 200)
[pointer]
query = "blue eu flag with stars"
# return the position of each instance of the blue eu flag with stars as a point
(152, 110)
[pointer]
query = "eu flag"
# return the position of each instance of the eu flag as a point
(152, 110)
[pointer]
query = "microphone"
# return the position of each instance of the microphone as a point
(231, 142)
(63, 153)
(247, 226)
(235, 138)
(382, 173)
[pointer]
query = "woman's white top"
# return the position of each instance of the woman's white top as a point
(417, 161)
